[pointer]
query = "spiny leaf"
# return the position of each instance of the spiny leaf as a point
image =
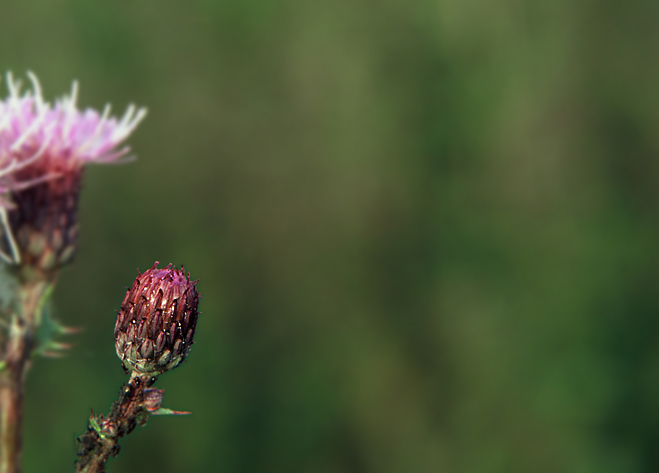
(163, 411)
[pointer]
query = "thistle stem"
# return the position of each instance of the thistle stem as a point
(12, 381)
(101, 439)
(16, 363)
(11, 401)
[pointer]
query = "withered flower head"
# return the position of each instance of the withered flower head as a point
(43, 151)
(157, 321)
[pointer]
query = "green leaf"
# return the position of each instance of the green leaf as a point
(163, 411)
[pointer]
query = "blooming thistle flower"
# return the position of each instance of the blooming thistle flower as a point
(43, 151)
(157, 321)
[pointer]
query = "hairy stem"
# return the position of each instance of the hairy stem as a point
(101, 439)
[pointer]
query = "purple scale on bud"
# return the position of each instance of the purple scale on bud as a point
(157, 321)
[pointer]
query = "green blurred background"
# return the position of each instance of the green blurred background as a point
(425, 231)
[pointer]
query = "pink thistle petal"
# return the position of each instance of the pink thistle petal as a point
(63, 135)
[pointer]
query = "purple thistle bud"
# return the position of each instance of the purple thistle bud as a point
(43, 151)
(157, 321)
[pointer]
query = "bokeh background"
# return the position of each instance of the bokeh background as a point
(425, 231)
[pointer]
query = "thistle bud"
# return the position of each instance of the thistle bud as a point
(157, 321)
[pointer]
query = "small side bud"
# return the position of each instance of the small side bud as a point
(157, 321)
